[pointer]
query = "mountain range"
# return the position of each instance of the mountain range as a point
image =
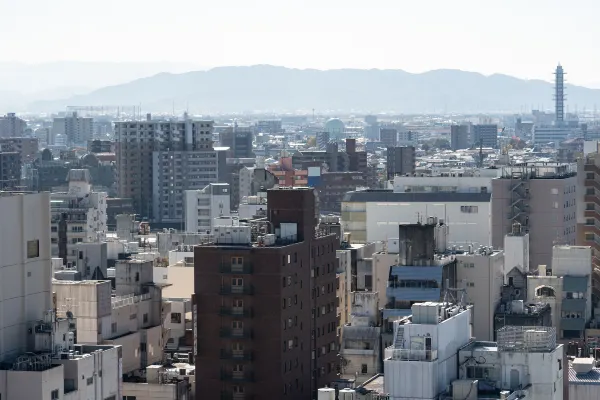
(268, 88)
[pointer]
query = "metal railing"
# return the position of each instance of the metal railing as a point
(237, 355)
(229, 268)
(414, 355)
(246, 289)
(236, 311)
(121, 301)
(236, 333)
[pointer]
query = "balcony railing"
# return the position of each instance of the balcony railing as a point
(229, 268)
(236, 333)
(236, 311)
(414, 355)
(237, 376)
(237, 355)
(246, 289)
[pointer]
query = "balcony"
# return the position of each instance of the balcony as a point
(236, 396)
(237, 290)
(236, 312)
(237, 355)
(237, 376)
(236, 333)
(414, 355)
(229, 268)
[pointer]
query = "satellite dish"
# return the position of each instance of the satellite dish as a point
(69, 315)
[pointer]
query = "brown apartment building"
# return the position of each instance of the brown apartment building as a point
(265, 304)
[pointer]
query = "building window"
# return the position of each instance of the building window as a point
(589, 221)
(54, 395)
(470, 284)
(237, 282)
(113, 327)
(33, 248)
(145, 318)
(237, 389)
(90, 380)
(363, 369)
(469, 209)
(589, 236)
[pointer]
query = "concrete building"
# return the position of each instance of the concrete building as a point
(76, 129)
(27, 147)
(584, 379)
(253, 206)
(485, 135)
(238, 140)
(541, 197)
(551, 134)
(100, 146)
(374, 215)
(78, 215)
(388, 136)
(12, 126)
(256, 310)
(331, 188)
(158, 160)
(322, 140)
(453, 181)
(567, 287)
(203, 206)
(400, 161)
(361, 347)
(253, 180)
(10, 170)
(271, 126)
(480, 273)
(460, 137)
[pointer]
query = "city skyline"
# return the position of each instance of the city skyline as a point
(478, 36)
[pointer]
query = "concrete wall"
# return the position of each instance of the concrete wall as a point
(31, 384)
(25, 288)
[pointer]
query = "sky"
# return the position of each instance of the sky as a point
(523, 38)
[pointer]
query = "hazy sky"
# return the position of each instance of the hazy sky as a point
(525, 38)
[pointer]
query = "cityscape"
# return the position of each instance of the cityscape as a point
(299, 201)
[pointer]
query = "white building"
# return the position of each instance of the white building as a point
(567, 287)
(76, 129)
(374, 215)
(458, 181)
(78, 215)
(480, 273)
(360, 349)
(25, 268)
(251, 206)
(204, 205)
(12, 126)
(516, 250)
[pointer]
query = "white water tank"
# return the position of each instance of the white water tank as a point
(347, 394)
(326, 394)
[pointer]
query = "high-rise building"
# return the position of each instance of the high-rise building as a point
(26, 147)
(265, 306)
(271, 126)
(542, 199)
(204, 205)
(559, 95)
(158, 160)
(10, 169)
(400, 161)
(459, 137)
(322, 140)
(12, 126)
(76, 129)
(388, 136)
(239, 141)
(485, 135)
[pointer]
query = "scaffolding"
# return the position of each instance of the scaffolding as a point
(527, 339)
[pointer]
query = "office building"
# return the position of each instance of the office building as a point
(100, 146)
(12, 126)
(271, 126)
(239, 140)
(541, 197)
(204, 205)
(485, 135)
(408, 138)
(371, 127)
(322, 140)
(459, 137)
(400, 161)
(10, 170)
(331, 187)
(26, 147)
(158, 160)
(265, 306)
(254, 180)
(388, 136)
(76, 129)
(78, 215)
(559, 95)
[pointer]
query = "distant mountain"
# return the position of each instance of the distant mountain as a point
(279, 89)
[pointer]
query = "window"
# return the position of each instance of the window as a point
(363, 369)
(145, 319)
(33, 248)
(237, 324)
(113, 327)
(238, 368)
(237, 389)
(559, 365)
(589, 236)
(369, 282)
(237, 282)
(469, 209)
(90, 380)
(175, 318)
(589, 221)
(54, 395)
(470, 284)
(237, 260)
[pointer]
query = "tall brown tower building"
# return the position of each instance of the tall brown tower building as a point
(265, 304)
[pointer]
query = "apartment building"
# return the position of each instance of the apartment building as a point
(79, 215)
(253, 180)
(12, 126)
(460, 137)
(239, 140)
(158, 160)
(388, 136)
(400, 161)
(542, 198)
(76, 129)
(27, 147)
(10, 169)
(485, 135)
(265, 306)
(204, 205)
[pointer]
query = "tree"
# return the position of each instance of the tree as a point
(442, 144)
(312, 141)
(425, 147)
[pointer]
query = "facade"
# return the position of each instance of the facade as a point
(480, 273)
(253, 181)
(374, 215)
(361, 348)
(333, 186)
(485, 135)
(239, 141)
(25, 146)
(400, 161)
(100, 146)
(460, 137)
(542, 199)
(266, 314)
(76, 129)
(388, 136)
(554, 134)
(10, 170)
(336, 129)
(269, 126)
(12, 126)
(78, 215)
(322, 140)
(203, 206)
(158, 160)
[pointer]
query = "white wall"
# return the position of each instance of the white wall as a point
(516, 253)
(465, 228)
(465, 184)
